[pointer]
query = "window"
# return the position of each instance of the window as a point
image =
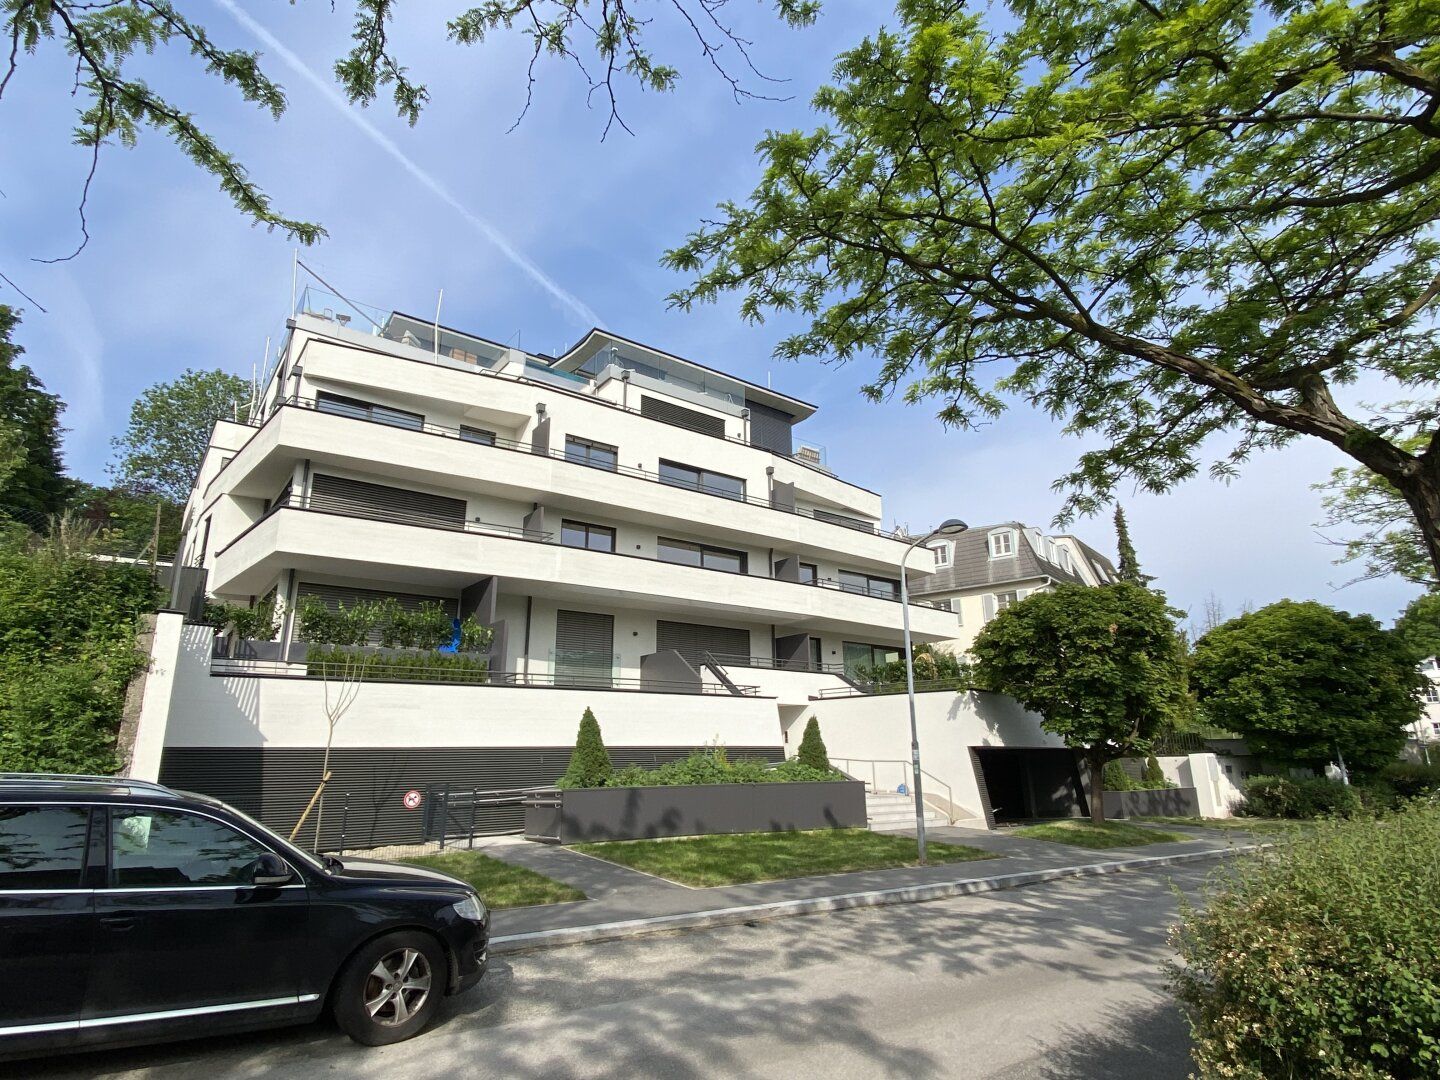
(366, 410)
(841, 519)
(477, 435)
(159, 848)
(711, 558)
(1002, 543)
(712, 483)
(41, 847)
(861, 657)
(579, 534)
(817, 660)
(588, 452)
(809, 572)
(1004, 600)
(943, 605)
(868, 584)
(942, 555)
(1432, 692)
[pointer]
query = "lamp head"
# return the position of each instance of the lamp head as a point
(949, 527)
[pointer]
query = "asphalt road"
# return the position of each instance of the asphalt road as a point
(1053, 981)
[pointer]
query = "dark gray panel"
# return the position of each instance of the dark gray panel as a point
(584, 647)
(770, 429)
(694, 640)
(360, 497)
(669, 413)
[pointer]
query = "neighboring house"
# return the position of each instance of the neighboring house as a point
(1426, 732)
(983, 571)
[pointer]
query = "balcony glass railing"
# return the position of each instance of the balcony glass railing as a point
(340, 311)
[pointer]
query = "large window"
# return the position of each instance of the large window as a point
(870, 585)
(367, 410)
(41, 847)
(477, 435)
(580, 534)
(712, 558)
(1002, 543)
(861, 657)
(713, 483)
(588, 452)
(1432, 692)
(158, 848)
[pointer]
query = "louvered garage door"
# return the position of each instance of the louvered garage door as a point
(657, 409)
(693, 641)
(382, 501)
(584, 648)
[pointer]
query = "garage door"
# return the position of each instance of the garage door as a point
(694, 640)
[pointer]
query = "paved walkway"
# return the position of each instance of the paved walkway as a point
(618, 894)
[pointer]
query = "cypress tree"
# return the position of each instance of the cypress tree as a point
(34, 482)
(812, 748)
(1154, 775)
(1129, 563)
(590, 764)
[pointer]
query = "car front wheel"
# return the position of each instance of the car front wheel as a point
(389, 990)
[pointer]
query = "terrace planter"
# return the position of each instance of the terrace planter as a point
(1158, 802)
(641, 813)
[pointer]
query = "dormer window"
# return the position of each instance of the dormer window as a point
(1002, 543)
(942, 555)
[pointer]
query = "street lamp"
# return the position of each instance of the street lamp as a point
(949, 527)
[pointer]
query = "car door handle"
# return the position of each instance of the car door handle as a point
(118, 922)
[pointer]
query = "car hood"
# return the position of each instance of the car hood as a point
(374, 869)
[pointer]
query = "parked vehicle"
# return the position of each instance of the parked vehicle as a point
(133, 913)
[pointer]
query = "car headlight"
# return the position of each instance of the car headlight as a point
(470, 908)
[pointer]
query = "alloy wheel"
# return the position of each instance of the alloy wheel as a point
(397, 987)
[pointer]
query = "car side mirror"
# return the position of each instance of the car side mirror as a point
(270, 869)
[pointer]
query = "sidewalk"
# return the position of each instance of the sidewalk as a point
(625, 902)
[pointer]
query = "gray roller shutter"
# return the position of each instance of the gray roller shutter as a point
(659, 409)
(358, 497)
(770, 429)
(694, 640)
(584, 648)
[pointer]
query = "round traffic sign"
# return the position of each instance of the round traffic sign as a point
(412, 799)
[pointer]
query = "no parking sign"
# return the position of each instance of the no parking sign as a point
(412, 799)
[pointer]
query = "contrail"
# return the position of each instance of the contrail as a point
(568, 299)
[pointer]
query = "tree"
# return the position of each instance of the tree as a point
(106, 40)
(1418, 627)
(1129, 561)
(1158, 222)
(169, 429)
(1305, 684)
(590, 764)
(1390, 542)
(126, 520)
(812, 748)
(1100, 665)
(32, 479)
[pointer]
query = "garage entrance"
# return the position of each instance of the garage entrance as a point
(1026, 785)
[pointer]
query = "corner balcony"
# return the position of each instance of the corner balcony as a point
(394, 549)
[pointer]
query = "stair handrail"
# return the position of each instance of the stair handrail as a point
(874, 781)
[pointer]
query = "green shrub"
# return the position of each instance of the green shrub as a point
(1409, 779)
(812, 748)
(1309, 797)
(1319, 958)
(1116, 778)
(334, 661)
(1154, 775)
(259, 623)
(590, 764)
(475, 636)
(713, 766)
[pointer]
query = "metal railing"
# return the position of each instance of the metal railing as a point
(864, 688)
(773, 663)
(906, 775)
(385, 670)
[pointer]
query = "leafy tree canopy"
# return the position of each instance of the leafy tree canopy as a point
(606, 41)
(1389, 542)
(32, 478)
(1419, 626)
(1158, 221)
(164, 442)
(125, 519)
(1303, 683)
(1102, 667)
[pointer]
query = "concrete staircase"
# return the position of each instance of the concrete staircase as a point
(888, 811)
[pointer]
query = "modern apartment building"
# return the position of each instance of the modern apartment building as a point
(646, 535)
(985, 570)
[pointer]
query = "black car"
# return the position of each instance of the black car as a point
(132, 913)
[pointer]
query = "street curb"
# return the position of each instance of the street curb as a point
(783, 909)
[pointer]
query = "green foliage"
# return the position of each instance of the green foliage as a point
(1102, 666)
(812, 747)
(1299, 798)
(713, 766)
(1389, 542)
(67, 652)
(1129, 568)
(259, 623)
(1157, 222)
(1319, 958)
(1117, 779)
(590, 764)
(125, 520)
(389, 623)
(427, 627)
(169, 429)
(475, 636)
(32, 479)
(1410, 779)
(342, 661)
(1301, 682)
(1419, 626)
(1154, 775)
(934, 669)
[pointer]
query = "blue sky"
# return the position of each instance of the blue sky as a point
(175, 278)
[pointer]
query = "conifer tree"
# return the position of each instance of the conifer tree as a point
(590, 764)
(1129, 561)
(812, 748)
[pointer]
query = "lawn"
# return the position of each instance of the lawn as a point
(1086, 834)
(1258, 826)
(500, 884)
(740, 858)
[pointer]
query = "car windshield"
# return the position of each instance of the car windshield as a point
(267, 833)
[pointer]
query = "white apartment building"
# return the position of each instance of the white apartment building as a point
(646, 535)
(985, 570)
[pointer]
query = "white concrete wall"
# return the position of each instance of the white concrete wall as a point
(171, 654)
(1215, 792)
(864, 729)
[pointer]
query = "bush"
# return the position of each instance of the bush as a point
(415, 667)
(590, 764)
(251, 624)
(1310, 797)
(1319, 958)
(1409, 779)
(1154, 775)
(812, 748)
(1116, 778)
(713, 766)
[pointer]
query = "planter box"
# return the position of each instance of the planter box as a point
(1160, 802)
(640, 813)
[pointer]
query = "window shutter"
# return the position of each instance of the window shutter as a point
(664, 411)
(989, 599)
(342, 495)
(694, 640)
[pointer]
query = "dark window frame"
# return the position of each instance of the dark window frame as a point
(360, 409)
(586, 448)
(702, 550)
(469, 434)
(869, 588)
(702, 480)
(589, 529)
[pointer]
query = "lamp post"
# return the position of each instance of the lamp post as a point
(950, 527)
